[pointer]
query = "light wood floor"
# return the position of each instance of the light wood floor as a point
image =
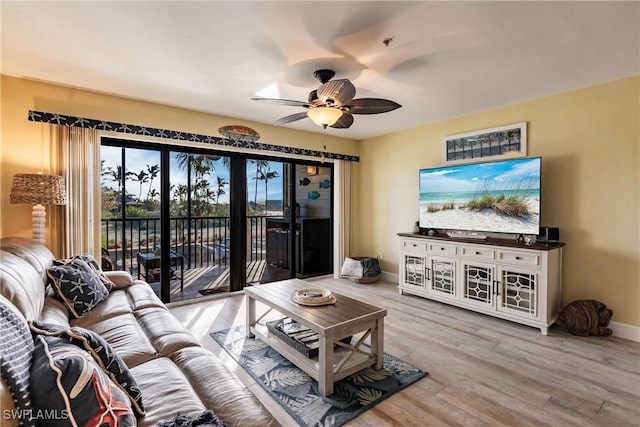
(482, 371)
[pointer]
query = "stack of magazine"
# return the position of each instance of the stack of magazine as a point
(298, 331)
(298, 336)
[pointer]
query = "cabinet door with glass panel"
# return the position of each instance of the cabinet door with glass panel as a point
(413, 265)
(518, 293)
(479, 286)
(441, 277)
(414, 271)
(442, 263)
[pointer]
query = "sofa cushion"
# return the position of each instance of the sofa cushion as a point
(34, 253)
(165, 332)
(115, 305)
(77, 285)
(21, 284)
(220, 389)
(102, 353)
(125, 336)
(167, 392)
(72, 389)
(54, 311)
(16, 348)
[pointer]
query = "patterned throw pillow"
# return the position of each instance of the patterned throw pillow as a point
(77, 285)
(91, 261)
(71, 389)
(102, 353)
(16, 348)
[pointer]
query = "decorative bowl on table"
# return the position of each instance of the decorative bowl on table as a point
(313, 296)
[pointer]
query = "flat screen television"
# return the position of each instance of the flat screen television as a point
(497, 197)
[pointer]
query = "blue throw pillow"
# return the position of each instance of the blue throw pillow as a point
(69, 388)
(77, 285)
(16, 348)
(111, 363)
(91, 262)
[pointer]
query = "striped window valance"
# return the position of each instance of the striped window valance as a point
(126, 128)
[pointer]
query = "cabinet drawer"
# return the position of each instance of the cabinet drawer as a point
(529, 259)
(475, 252)
(436, 248)
(414, 245)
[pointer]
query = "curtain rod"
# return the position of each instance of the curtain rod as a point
(83, 122)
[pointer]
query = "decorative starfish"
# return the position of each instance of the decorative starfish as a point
(110, 409)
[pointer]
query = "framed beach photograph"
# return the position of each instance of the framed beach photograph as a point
(508, 141)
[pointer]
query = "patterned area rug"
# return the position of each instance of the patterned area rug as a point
(298, 393)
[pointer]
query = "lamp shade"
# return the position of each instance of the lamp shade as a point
(37, 188)
(324, 116)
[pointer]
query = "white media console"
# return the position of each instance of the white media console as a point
(497, 277)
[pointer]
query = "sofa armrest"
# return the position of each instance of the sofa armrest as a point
(122, 279)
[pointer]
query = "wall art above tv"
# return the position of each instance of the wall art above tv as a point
(508, 141)
(499, 197)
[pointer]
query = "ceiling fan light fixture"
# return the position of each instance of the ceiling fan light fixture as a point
(324, 116)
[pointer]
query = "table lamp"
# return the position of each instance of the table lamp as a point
(38, 189)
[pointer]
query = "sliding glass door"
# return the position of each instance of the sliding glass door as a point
(297, 220)
(267, 216)
(193, 222)
(199, 220)
(130, 198)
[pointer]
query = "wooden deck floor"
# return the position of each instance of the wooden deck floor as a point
(215, 279)
(482, 371)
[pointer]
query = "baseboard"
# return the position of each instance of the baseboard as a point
(625, 331)
(389, 277)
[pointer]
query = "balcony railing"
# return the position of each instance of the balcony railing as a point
(202, 241)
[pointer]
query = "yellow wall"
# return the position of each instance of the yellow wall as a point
(589, 142)
(588, 139)
(24, 146)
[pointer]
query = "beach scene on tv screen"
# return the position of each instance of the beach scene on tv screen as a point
(501, 197)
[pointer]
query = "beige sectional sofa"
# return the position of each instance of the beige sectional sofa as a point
(174, 372)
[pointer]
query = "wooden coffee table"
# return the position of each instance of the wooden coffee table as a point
(347, 317)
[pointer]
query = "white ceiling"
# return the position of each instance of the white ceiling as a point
(446, 59)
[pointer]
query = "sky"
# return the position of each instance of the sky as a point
(473, 176)
(138, 159)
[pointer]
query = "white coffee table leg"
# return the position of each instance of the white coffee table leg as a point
(325, 367)
(251, 314)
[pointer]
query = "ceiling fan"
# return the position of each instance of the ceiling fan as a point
(332, 104)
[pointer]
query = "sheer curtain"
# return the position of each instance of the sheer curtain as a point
(341, 214)
(75, 154)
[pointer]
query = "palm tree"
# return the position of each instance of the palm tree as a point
(203, 160)
(260, 165)
(153, 172)
(266, 174)
(115, 175)
(179, 199)
(141, 177)
(202, 193)
(220, 189)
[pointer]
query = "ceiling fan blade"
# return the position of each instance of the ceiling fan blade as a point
(283, 102)
(371, 106)
(337, 91)
(291, 118)
(345, 121)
